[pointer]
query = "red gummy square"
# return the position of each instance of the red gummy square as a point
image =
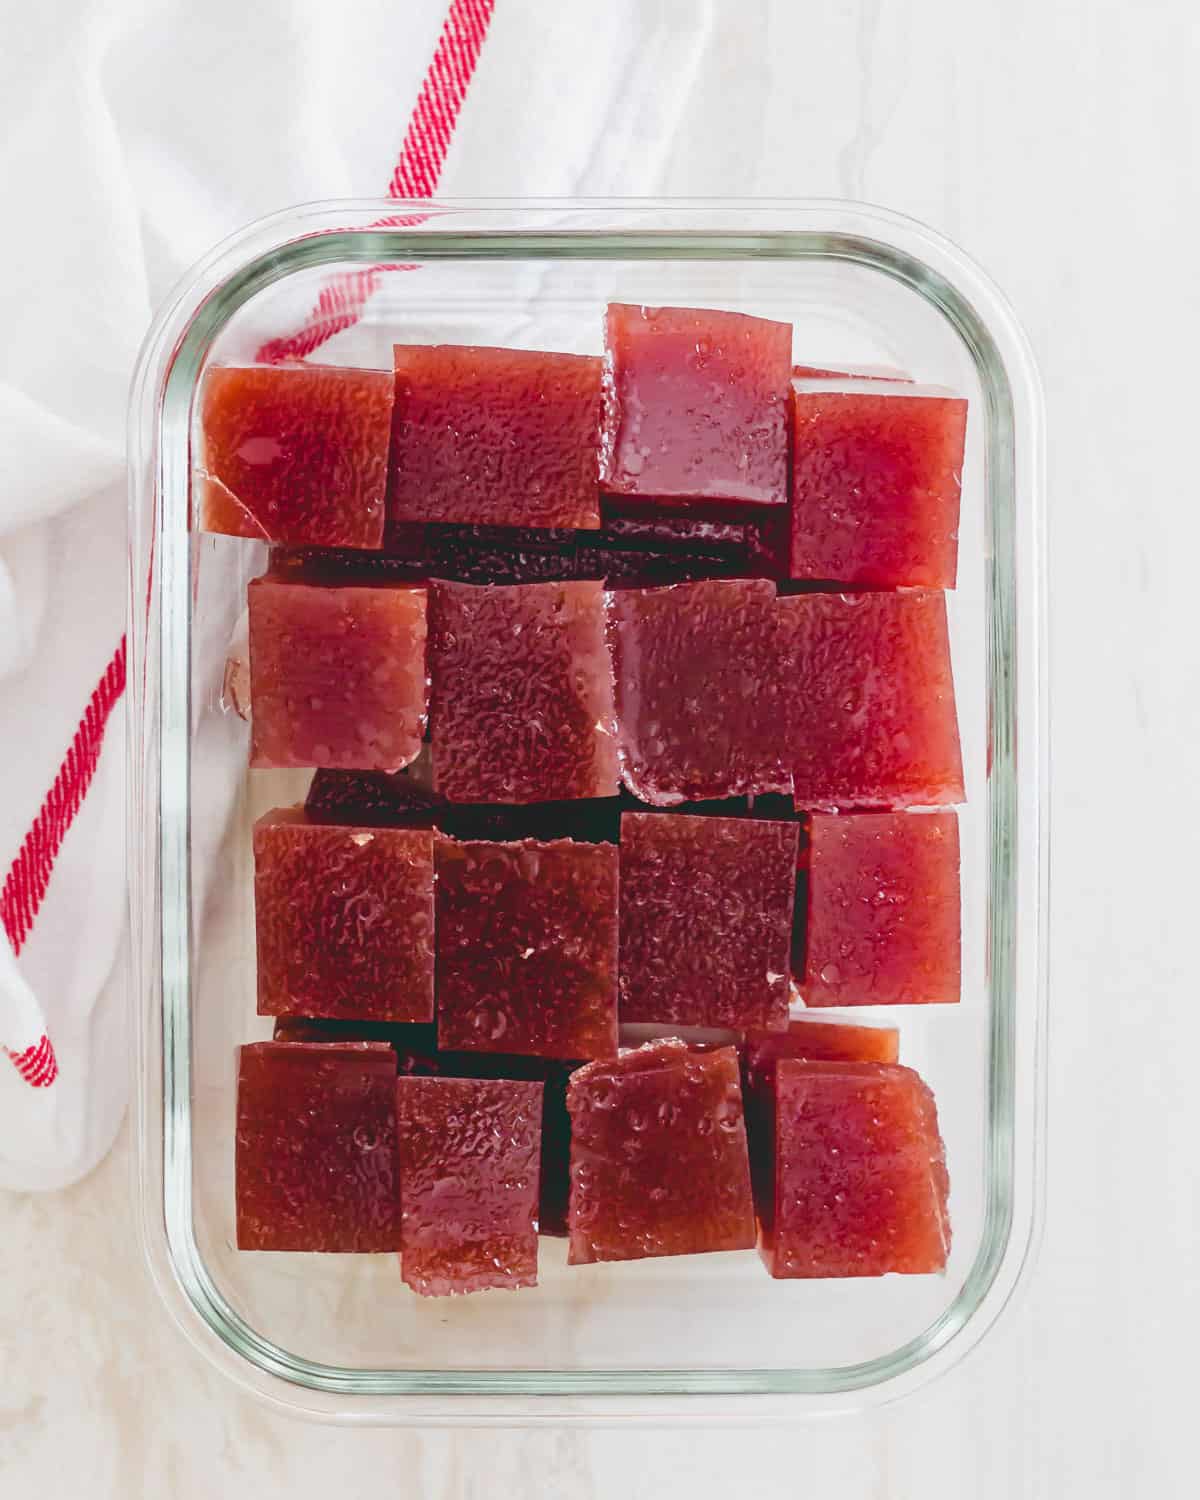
(527, 947)
(658, 1155)
(315, 1162)
(494, 437)
(706, 919)
(859, 1186)
(700, 697)
(521, 706)
(876, 484)
(696, 405)
(884, 916)
(344, 919)
(469, 1151)
(337, 675)
(294, 455)
(872, 721)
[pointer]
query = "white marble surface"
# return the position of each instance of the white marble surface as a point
(1057, 140)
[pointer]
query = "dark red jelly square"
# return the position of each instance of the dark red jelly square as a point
(859, 1186)
(337, 675)
(494, 437)
(658, 1155)
(521, 703)
(876, 481)
(315, 1160)
(696, 405)
(344, 918)
(469, 1152)
(527, 947)
(706, 919)
(872, 717)
(295, 455)
(699, 693)
(884, 919)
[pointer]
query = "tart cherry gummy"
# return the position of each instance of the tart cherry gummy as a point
(294, 455)
(859, 1183)
(521, 707)
(526, 940)
(871, 714)
(701, 701)
(344, 918)
(884, 921)
(337, 675)
(658, 1155)
(695, 405)
(706, 919)
(469, 1151)
(494, 437)
(315, 1163)
(876, 481)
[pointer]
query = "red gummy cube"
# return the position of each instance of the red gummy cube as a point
(706, 919)
(527, 947)
(294, 455)
(701, 702)
(521, 703)
(494, 437)
(658, 1155)
(884, 919)
(337, 675)
(859, 1185)
(696, 405)
(469, 1151)
(872, 717)
(344, 918)
(315, 1162)
(876, 482)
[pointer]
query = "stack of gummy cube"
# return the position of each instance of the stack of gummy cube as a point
(626, 683)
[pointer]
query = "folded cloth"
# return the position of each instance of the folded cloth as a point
(135, 134)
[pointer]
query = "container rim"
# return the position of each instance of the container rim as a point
(159, 709)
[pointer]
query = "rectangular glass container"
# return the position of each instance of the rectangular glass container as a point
(666, 1339)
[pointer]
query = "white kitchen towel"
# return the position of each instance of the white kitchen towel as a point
(134, 134)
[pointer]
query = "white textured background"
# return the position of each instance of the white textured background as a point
(1057, 141)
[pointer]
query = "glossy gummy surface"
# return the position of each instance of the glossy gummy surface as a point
(699, 697)
(876, 482)
(696, 405)
(498, 437)
(706, 919)
(884, 913)
(316, 1147)
(294, 455)
(521, 701)
(469, 1151)
(344, 919)
(860, 1184)
(337, 675)
(527, 947)
(658, 1156)
(872, 710)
